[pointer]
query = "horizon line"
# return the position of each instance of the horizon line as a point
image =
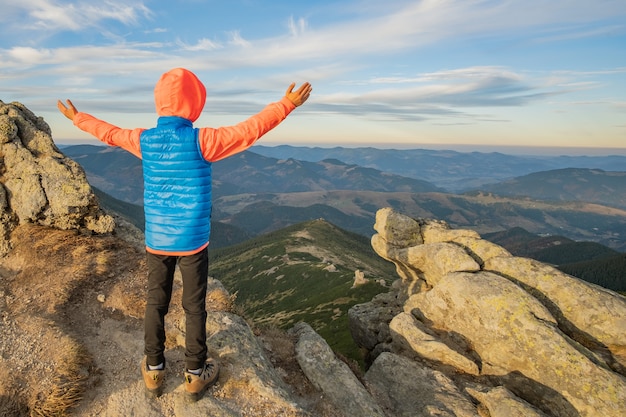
(462, 148)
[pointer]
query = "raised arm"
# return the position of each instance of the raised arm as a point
(223, 142)
(127, 139)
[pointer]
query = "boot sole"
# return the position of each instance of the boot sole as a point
(153, 393)
(193, 397)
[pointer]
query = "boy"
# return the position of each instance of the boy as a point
(176, 160)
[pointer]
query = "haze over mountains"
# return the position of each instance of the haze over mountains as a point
(257, 194)
(451, 170)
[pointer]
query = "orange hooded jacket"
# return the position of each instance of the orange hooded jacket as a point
(180, 93)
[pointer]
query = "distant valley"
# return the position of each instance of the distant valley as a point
(256, 194)
(288, 235)
(450, 170)
(567, 184)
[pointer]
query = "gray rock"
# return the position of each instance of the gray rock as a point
(369, 322)
(558, 344)
(332, 376)
(246, 369)
(398, 229)
(40, 184)
(500, 402)
(408, 333)
(513, 332)
(405, 388)
(591, 314)
(428, 261)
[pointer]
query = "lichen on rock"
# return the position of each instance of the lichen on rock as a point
(39, 184)
(529, 336)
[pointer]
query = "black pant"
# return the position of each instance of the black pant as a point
(194, 270)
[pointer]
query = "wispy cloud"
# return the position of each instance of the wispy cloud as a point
(73, 16)
(237, 40)
(297, 27)
(472, 87)
(203, 44)
(366, 58)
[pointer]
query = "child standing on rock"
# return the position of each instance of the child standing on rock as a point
(176, 160)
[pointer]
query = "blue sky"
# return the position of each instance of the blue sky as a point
(399, 73)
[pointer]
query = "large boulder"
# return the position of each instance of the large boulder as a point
(518, 336)
(38, 184)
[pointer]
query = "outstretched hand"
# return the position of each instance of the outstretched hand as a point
(299, 96)
(69, 111)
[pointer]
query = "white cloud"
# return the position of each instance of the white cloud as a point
(443, 93)
(28, 55)
(296, 27)
(237, 40)
(203, 44)
(61, 15)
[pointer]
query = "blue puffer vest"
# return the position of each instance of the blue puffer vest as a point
(177, 187)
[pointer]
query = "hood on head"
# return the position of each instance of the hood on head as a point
(179, 93)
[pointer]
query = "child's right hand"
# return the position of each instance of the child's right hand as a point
(299, 96)
(69, 111)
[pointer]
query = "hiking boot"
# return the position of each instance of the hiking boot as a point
(152, 379)
(196, 385)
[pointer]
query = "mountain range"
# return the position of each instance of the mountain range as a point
(451, 170)
(567, 184)
(255, 194)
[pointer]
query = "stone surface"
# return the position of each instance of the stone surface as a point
(545, 340)
(246, 370)
(398, 229)
(405, 388)
(593, 315)
(406, 331)
(332, 376)
(501, 402)
(39, 184)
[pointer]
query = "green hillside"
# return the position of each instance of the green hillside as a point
(569, 184)
(553, 249)
(304, 272)
(589, 261)
(608, 272)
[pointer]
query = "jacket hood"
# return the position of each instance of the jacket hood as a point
(179, 93)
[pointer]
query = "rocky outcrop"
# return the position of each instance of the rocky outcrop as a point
(511, 335)
(473, 343)
(38, 184)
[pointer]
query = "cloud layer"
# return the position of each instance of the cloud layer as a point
(444, 62)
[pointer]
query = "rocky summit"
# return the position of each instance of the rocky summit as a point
(471, 330)
(39, 184)
(466, 329)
